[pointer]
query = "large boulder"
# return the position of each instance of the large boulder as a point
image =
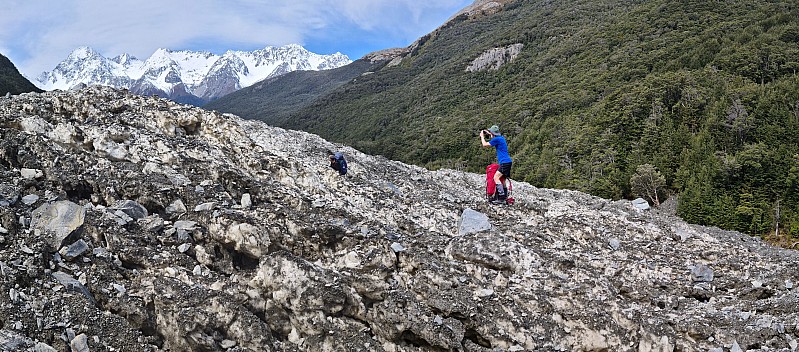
(473, 221)
(57, 221)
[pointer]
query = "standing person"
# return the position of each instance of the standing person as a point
(503, 158)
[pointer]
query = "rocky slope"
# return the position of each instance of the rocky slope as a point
(133, 223)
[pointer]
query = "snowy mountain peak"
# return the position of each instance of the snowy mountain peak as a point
(83, 52)
(194, 77)
(125, 59)
(160, 52)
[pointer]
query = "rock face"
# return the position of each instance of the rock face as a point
(201, 231)
(495, 58)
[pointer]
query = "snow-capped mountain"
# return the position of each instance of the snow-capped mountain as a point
(193, 77)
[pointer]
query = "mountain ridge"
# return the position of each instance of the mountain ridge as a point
(11, 81)
(194, 77)
(296, 89)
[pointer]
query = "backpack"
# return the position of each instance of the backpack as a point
(491, 186)
(340, 163)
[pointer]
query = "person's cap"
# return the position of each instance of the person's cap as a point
(494, 130)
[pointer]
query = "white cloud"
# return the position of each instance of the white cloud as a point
(400, 15)
(37, 34)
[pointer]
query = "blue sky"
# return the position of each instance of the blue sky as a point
(38, 34)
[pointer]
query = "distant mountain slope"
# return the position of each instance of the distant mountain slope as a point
(588, 91)
(184, 76)
(11, 81)
(276, 97)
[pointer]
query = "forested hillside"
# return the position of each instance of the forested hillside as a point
(704, 91)
(274, 99)
(11, 81)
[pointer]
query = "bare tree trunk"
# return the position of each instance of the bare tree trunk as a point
(777, 219)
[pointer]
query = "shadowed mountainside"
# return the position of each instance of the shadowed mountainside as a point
(11, 81)
(275, 98)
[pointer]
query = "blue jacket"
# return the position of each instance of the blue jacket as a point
(501, 145)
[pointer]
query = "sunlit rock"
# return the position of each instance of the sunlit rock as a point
(163, 227)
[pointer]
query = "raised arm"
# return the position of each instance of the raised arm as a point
(483, 138)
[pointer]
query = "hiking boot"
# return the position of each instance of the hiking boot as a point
(496, 199)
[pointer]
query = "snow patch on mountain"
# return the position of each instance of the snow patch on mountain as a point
(201, 75)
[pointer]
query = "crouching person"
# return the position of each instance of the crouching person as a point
(338, 162)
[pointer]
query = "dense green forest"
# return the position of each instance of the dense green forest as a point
(11, 81)
(704, 91)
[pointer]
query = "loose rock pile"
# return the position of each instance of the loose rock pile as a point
(132, 223)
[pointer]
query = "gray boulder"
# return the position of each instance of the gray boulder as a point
(57, 221)
(640, 203)
(9, 195)
(132, 209)
(473, 221)
(70, 283)
(702, 273)
(74, 250)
